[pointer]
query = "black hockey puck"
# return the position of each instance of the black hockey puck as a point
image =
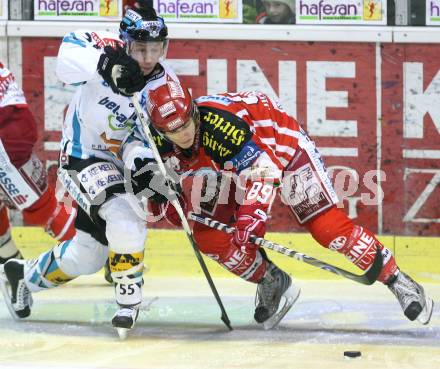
(352, 354)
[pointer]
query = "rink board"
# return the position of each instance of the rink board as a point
(168, 253)
(372, 109)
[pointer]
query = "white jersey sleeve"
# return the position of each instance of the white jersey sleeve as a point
(134, 146)
(79, 54)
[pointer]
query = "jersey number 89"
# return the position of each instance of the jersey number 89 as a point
(260, 192)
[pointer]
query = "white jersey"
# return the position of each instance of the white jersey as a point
(10, 93)
(98, 121)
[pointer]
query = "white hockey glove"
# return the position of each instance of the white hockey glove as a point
(120, 71)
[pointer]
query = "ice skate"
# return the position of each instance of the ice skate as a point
(124, 320)
(16, 295)
(411, 296)
(128, 293)
(275, 296)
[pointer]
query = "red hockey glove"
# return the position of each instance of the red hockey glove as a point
(251, 220)
(168, 211)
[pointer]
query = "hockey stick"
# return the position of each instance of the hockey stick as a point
(178, 207)
(368, 278)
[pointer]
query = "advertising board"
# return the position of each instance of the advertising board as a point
(359, 12)
(79, 10)
(373, 111)
(200, 11)
(433, 12)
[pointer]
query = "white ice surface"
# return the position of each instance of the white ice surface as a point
(180, 328)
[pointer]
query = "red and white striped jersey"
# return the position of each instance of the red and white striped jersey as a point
(273, 130)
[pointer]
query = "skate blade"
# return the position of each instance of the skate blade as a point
(290, 297)
(425, 315)
(5, 289)
(122, 333)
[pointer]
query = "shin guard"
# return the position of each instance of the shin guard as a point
(360, 248)
(334, 230)
(45, 271)
(126, 272)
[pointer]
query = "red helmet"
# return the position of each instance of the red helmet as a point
(170, 106)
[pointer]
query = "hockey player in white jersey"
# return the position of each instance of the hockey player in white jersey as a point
(94, 152)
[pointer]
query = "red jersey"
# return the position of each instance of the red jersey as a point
(239, 131)
(10, 93)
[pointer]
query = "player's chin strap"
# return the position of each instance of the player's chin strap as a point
(368, 278)
(176, 204)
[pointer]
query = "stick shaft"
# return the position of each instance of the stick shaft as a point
(367, 278)
(178, 207)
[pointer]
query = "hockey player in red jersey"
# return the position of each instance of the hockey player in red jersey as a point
(250, 135)
(23, 178)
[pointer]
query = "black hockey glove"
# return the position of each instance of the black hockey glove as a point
(149, 180)
(120, 71)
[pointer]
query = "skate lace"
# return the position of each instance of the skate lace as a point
(23, 296)
(406, 291)
(266, 293)
(262, 296)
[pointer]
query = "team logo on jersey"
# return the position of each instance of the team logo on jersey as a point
(248, 154)
(98, 177)
(115, 125)
(11, 189)
(101, 42)
(337, 243)
(304, 192)
(118, 119)
(231, 130)
(112, 145)
(223, 133)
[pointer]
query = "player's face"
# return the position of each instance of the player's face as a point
(147, 54)
(183, 136)
(276, 11)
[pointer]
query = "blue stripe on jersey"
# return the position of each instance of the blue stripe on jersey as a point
(64, 248)
(71, 37)
(44, 260)
(215, 98)
(52, 267)
(76, 149)
(35, 277)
